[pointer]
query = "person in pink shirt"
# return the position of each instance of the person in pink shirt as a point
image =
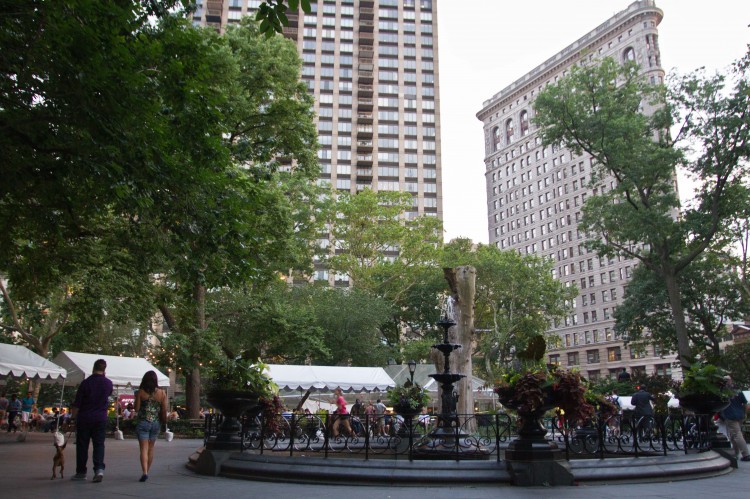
(341, 418)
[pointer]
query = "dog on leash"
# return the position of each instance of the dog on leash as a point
(58, 461)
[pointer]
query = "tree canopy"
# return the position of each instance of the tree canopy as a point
(611, 112)
(516, 299)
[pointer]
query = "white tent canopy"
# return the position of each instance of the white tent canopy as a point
(400, 374)
(19, 362)
(350, 379)
(123, 371)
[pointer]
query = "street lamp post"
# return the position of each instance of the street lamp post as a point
(412, 367)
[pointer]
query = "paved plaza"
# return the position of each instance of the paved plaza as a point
(26, 470)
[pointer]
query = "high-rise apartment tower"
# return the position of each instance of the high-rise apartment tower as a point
(372, 67)
(535, 195)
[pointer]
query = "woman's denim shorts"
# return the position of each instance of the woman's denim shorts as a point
(148, 430)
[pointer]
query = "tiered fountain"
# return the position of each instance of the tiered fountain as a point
(444, 442)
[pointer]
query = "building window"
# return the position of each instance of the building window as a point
(524, 123)
(628, 54)
(663, 370)
(614, 354)
(509, 132)
(554, 359)
(637, 352)
(573, 359)
(592, 356)
(496, 138)
(594, 375)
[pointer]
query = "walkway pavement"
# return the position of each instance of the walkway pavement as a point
(26, 468)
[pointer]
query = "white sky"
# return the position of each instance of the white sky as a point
(485, 45)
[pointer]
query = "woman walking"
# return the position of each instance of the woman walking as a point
(151, 410)
(341, 418)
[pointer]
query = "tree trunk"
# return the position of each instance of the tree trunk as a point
(684, 353)
(193, 379)
(462, 281)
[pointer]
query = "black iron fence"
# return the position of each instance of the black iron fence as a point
(477, 436)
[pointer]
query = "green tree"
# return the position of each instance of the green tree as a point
(84, 144)
(737, 360)
(274, 322)
(516, 298)
(599, 110)
(388, 255)
(234, 224)
(710, 297)
(129, 131)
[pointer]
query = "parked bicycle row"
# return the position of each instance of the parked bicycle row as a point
(467, 435)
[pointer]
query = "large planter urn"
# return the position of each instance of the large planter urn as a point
(407, 410)
(531, 443)
(232, 404)
(705, 406)
(701, 403)
(531, 424)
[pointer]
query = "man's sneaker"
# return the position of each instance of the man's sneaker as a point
(80, 477)
(98, 476)
(746, 459)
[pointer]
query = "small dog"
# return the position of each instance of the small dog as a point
(58, 460)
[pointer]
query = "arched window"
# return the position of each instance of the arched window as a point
(496, 138)
(628, 54)
(509, 132)
(524, 123)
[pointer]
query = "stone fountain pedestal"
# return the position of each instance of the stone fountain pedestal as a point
(535, 461)
(448, 440)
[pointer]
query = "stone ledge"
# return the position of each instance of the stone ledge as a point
(307, 469)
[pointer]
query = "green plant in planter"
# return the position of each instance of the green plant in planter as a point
(530, 386)
(409, 395)
(243, 375)
(702, 379)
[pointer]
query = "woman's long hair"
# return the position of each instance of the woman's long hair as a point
(149, 383)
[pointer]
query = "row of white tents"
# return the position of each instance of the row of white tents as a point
(72, 367)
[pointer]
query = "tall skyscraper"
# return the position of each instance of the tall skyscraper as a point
(373, 70)
(535, 195)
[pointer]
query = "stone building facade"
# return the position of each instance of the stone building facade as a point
(535, 195)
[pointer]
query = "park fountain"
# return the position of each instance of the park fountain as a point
(444, 442)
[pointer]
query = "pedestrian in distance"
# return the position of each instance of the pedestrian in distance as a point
(643, 415)
(733, 416)
(89, 413)
(14, 407)
(341, 418)
(624, 375)
(27, 405)
(151, 413)
(3, 408)
(380, 414)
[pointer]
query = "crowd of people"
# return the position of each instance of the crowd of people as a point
(23, 414)
(383, 421)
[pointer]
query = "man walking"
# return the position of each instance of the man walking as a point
(643, 415)
(733, 416)
(380, 414)
(27, 405)
(14, 407)
(89, 411)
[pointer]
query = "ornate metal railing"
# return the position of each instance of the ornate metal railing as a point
(479, 436)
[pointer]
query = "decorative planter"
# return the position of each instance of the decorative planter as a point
(705, 406)
(232, 404)
(531, 421)
(704, 403)
(407, 410)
